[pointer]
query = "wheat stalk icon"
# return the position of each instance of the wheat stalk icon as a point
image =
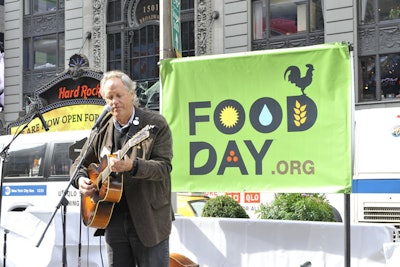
(299, 114)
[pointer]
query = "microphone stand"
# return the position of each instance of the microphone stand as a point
(64, 202)
(3, 156)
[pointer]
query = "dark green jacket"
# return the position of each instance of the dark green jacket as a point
(148, 191)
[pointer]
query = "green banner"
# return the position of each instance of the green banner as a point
(276, 120)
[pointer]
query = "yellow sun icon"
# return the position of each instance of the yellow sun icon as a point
(229, 116)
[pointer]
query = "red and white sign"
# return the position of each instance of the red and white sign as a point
(252, 197)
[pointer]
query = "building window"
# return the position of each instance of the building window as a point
(281, 18)
(42, 6)
(379, 55)
(388, 9)
(383, 10)
(369, 78)
(136, 49)
(259, 19)
(114, 51)
(45, 52)
(187, 33)
(388, 70)
(187, 28)
(187, 5)
(44, 42)
(114, 11)
(144, 54)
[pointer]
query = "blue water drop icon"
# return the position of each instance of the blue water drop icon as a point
(265, 117)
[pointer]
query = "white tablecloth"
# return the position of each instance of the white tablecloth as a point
(213, 242)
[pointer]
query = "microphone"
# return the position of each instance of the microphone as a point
(34, 106)
(106, 109)
(40, 116)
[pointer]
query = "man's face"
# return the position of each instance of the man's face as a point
(119, 99)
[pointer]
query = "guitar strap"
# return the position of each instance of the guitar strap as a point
(134, 128)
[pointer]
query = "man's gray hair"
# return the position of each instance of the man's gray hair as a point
(128, 83)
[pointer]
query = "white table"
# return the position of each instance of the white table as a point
(249, 242)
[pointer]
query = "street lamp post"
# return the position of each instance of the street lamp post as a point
(166, 50)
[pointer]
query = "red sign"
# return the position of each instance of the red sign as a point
(80, 91)
(235, 196)
(84, 88)
(251, 197)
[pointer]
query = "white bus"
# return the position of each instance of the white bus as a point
(35, 174)
(376, 180)
(35, 171)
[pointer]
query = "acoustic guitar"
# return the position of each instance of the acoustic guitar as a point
(179, 260)
(97, 209)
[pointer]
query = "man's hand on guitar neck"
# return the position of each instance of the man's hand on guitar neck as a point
(118, 165)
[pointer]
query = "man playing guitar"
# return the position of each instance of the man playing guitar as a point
(128, 194)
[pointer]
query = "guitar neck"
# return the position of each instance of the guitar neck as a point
(122, 152)
(139, 137)
(119, 154)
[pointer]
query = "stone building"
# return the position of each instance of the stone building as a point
(40, 36)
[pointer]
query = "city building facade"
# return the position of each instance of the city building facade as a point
(41, 35)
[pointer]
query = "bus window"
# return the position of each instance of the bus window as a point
(26, 161)
(60, 162)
